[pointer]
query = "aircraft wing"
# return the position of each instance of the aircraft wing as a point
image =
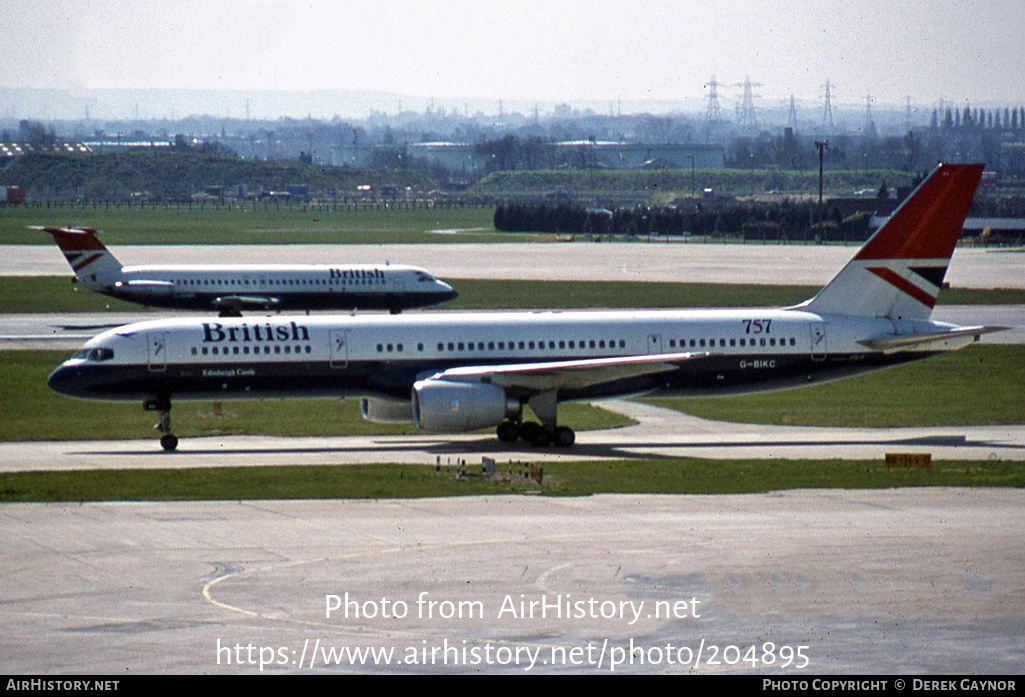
(534, 378)
(237, 302)
(938, 340)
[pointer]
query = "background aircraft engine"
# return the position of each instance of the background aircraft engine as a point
(440, 405)
(386, 411)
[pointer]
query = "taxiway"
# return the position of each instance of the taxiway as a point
(913, 581)
(579, 261)
(659, 433)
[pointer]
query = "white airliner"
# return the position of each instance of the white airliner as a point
(231, 288)
(465, 371)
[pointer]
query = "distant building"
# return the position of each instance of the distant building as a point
(11, 150)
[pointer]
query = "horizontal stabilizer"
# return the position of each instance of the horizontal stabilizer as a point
(938, 340)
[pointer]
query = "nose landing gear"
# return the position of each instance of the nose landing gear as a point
(168, 441)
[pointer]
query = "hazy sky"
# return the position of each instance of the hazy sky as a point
(548, 50)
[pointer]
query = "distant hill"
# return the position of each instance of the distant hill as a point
(176, 175)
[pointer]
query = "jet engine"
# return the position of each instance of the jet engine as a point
(442, 405)
(386, 411)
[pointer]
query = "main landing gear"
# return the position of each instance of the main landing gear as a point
(536, 434)
(168, 441)
(545, 405)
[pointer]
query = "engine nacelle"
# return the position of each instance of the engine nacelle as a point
(386, 411)
(441, 405)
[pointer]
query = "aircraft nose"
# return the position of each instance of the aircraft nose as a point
(449, 292)
(65, 380)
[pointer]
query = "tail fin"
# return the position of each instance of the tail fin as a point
(899, 271)
(90, 260)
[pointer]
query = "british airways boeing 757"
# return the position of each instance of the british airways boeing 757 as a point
(465, 371)
(230, 288)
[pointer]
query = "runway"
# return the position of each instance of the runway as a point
(580, 261)
(659, 433)
(799, 583)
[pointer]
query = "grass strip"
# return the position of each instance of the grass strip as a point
(676, 476)
(981, 384)
(249, 224)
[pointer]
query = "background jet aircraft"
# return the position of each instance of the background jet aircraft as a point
(232, 288)
(463, 371)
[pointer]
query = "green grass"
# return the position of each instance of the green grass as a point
(59, 294)
(251, 225)
(982, 384)
(559, 479)
(29, 410)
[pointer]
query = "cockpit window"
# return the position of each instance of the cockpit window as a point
(96, 355)
(424, 277)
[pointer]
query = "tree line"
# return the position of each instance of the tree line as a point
(783, 221)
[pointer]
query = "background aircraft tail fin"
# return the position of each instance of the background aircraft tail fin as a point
(899, 272)
(88, 257)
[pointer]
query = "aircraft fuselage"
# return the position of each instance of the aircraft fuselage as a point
(382, 356)
(292, 287)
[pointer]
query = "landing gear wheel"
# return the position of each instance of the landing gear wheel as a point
(539, 436)
(564, 437)
(168, 441)
(508, 431)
